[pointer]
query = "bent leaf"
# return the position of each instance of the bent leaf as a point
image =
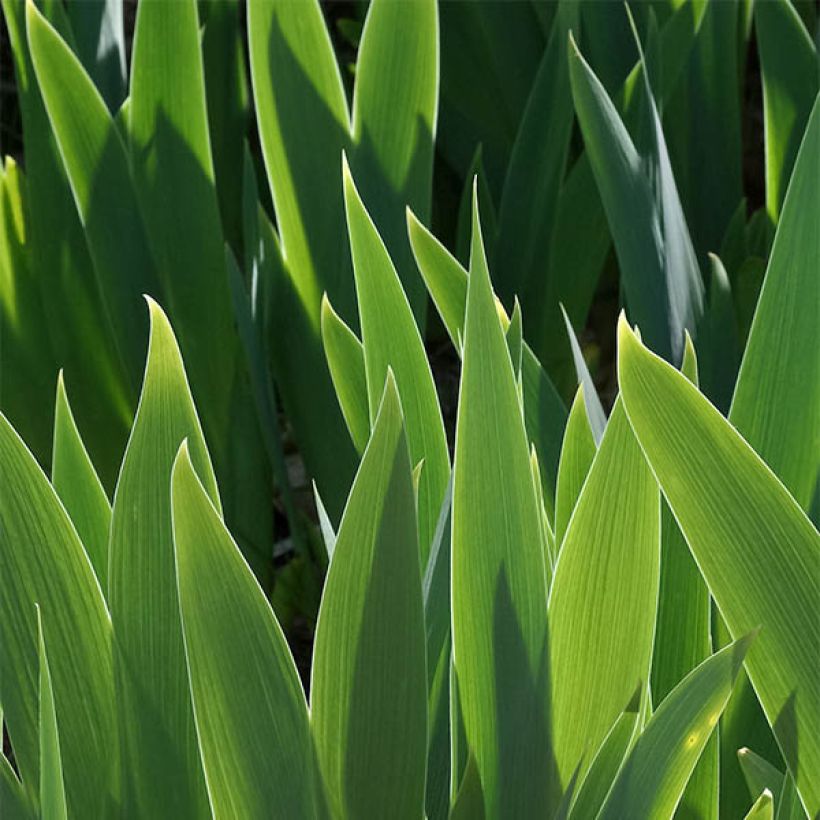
(756, 549)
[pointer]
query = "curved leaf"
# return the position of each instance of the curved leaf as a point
(652, 780)
(250, 709)
(756, 549)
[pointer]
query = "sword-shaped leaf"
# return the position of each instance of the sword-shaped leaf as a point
(251, 714)
(603, 599)
(755, 547)
(653, 778)
(43, 562)
(160, 750)
(391, 339)
(75, 481)
(369, 684)
(498, 572)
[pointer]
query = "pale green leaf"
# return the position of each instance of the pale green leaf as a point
(369, 684)
(345, 358)
(577, 452)
(251, 714)
(75, 481)
(498, 571)
(161, 754)
(760, 775)
(778, 375)
(607, 761)
(756, 549)
(603, 598)
(52, 786)
(652, 779)
(391, 339)
(762, 808)
(544, 412)
(395, 105)
(42, 561)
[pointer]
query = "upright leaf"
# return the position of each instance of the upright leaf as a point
(75, 481)
(160, 751)
(251, 714)
(756, 549)
(42, 562)
(498, 571)
(345, 358)
(544, 412)
(391, 339)
(98, 169)
(52, 786)
(776, 405)
(789, 72)
(395, 107)
(369, 684)
(303, 126)
(99, 33)
(577, 452)
(658, 266)
(603, 599)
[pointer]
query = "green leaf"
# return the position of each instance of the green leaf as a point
(345, 358)
(789, 71)
(776, 376)
(226, 84)
(369, 684)
(763, 808)
(498, 571)
(464, 222)
(577, 452)
(717, 339)
(391, 339)
(100, 37)
(683, 634)
(251, 714)
(52, 787)
(303, 126)
(174, 177)
(595, 411)
(61, 268)
(544, 412)
(529, 202)
(42, 561)
(75, 481)
(604, 596)
(27, 357)
(160, 751)
(703, 121)
(325, 524)
(395, 105)
(652, 779)
(13, 800)
(754, 546)
(97, 165)
(760, 774)
(658, 267)
(607, 761)
(469, 800)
